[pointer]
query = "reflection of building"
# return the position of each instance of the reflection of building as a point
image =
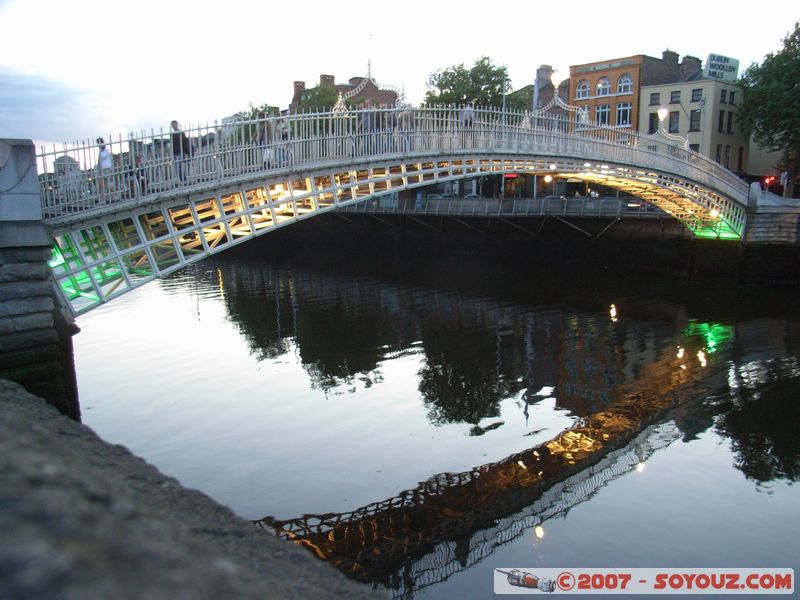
(369, 90)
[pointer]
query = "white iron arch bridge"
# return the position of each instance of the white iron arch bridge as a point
(155, 211)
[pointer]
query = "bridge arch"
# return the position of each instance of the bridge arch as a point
(101, 251)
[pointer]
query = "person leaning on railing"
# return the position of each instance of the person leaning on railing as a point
(181, 149)
(263, 136)
(105, 165)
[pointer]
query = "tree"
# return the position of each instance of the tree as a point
(768, 108)
(483, 84)
(319, 98)
(252, 111)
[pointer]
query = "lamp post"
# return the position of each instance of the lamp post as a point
(554, 81)
(662, 114)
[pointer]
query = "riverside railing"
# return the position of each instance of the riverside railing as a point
(147, 165)
(585, 207)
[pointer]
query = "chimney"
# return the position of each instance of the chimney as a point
(327, 80)
(690, 66)
(543, 74)
(669, 56)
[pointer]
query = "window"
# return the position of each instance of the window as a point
(655, 99)
(730, 97)
(624, 114)
(603, 87)
(694, 120)
(652, 123)
(675, 97)
(727, 162)
(694, 147)
(624, 84)
(729, 129)
(674, 121)
(721, 124)
(582, 91)
(723, 96)
(602, 113)
(719, 153)
(697, 95)
(740, 161)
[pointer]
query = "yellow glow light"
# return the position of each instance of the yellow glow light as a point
(538, 531)
(714, 213)
(701, 356)
(548, 178)
(522, 464)
(640, 467)
(613, 312)
(680, 352)
(552, 167)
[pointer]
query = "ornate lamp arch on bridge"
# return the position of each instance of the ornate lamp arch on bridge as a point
(581, 113)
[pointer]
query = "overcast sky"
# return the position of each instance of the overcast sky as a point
(76, 70)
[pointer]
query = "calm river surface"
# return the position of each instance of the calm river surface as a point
(407, 419)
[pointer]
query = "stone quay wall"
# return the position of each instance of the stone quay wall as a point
(84, 519)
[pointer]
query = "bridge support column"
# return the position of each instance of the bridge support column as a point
(35, 333)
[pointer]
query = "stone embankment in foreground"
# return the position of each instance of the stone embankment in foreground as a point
(81, 518)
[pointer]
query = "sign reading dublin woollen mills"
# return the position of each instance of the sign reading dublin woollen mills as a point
(721, 67)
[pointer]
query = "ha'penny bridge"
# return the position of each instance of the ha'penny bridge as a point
(156, 211)
(453, 521)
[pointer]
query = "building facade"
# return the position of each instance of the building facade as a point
(703, 112)
(369, 90)
(610, 89)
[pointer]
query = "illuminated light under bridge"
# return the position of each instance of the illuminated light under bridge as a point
(152, 214)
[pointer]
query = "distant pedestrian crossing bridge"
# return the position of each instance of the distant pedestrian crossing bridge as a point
(159, 201)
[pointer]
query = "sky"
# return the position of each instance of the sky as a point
(76, 70)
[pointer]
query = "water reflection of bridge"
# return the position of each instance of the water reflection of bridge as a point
(454, 520)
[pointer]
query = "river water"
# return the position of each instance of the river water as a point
(422, 422)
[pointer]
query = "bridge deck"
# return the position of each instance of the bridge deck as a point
(156, 209)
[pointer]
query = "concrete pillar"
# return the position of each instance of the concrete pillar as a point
(35, 334)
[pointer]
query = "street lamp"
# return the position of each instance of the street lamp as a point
(548, 179)
(554, 81)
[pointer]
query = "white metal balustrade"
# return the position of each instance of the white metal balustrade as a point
(145, 166)
(154, 212)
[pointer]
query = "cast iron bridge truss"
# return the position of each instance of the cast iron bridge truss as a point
(156, 211)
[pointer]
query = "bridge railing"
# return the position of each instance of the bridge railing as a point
(588, 207)
(148, 164)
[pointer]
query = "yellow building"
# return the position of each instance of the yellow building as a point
(703, 112)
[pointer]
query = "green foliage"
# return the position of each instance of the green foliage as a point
(319, 98)
(521, 99)
(769, 105)
(483, 84)
(252, 111)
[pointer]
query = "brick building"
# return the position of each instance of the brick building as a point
(610, 89)
(369, 90)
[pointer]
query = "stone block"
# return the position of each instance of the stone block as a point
(40, 253)
(21, 290)
(28, 271)
(28, 339)
(28, 305)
